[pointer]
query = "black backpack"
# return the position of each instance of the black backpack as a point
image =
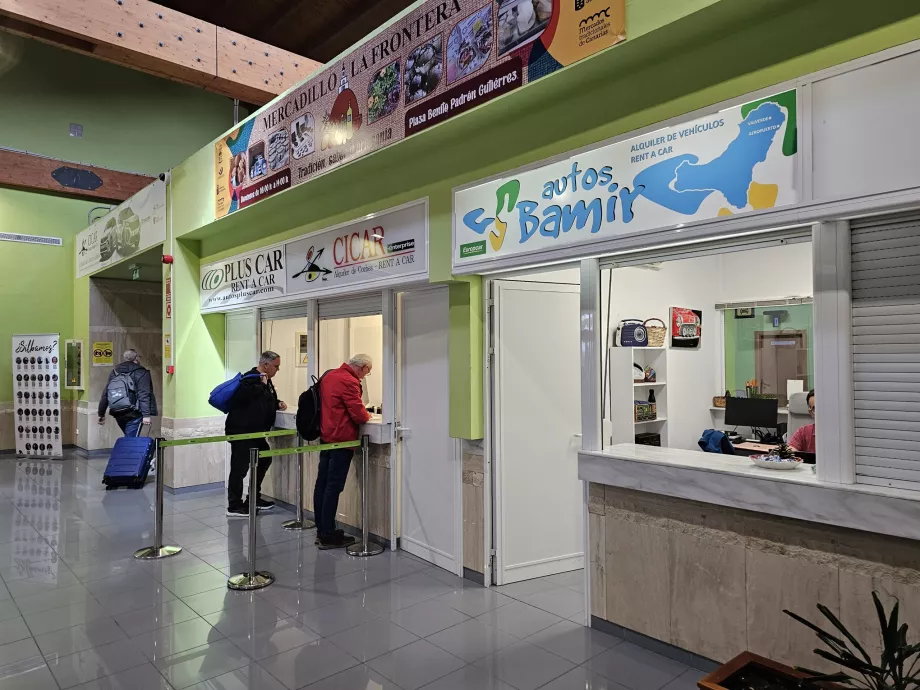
(308, 411)
(121, 394)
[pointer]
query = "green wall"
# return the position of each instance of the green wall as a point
(131, 121)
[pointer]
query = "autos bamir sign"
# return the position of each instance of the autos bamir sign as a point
(137, 224)
(441, 59)
(382, 249)
(251, 277)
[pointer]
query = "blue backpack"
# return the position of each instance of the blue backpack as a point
(222, 396)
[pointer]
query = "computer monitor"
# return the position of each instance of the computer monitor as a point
(753, 412)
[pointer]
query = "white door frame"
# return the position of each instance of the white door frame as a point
(455, 443)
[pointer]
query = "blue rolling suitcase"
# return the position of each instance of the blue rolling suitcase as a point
(129, 463)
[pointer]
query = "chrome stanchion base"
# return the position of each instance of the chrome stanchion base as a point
(243, 582)
(362, 551)
(149, 553)
(297, 524)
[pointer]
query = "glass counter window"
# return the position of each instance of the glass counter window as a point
(341, 338)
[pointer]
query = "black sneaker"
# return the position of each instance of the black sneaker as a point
(263, 505)
(335, 541)
(239, 512)
(338, 532)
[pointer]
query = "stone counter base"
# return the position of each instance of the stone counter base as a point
(714, 581)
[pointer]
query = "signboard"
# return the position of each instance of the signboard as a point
(103, 354)
(37, 395)
(137, 224)
(388, 245)
(441, 59)
(737, 160)
(167, 347)
(168, 293)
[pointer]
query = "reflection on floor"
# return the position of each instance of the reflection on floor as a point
(77, 611)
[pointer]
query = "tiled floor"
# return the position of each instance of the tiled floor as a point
(77, 611)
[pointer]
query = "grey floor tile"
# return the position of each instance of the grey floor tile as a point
(175, 569)
(520, 589)
(561, 601)
(216, 600)
(525, 666)
(196, 584)
(475, 601)
(356, 678)
(387, 598)
(250, 677)
(15, 653)
(472, 640)
(308, 664)
(519, 619)
(71, 640)
(335, 618)
(144, 620)
(636, 668)
(248, 618)
(574, 642)
(33, 675)
(13, 630)
(686, 681)
(174, 639)
(90, 664)
(574, 579)
(426, 584)
(299, 596)
(8, 609)
(65, 617)
(54, 599)
(284, 635)
(580, 678)
(144, 677)
(102, 571)
(470, 678)
(415, 665)
(428, 618)
(201, 663)
(137, 599)
(372, 639)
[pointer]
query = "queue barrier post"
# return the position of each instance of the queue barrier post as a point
(252, 579)
(300, 523)
(364, 548)
(158, 550)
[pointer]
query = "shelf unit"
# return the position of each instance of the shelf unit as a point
(623, 391)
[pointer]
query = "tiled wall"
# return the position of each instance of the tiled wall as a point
(187, 466)
(715, 581)
(473, 468)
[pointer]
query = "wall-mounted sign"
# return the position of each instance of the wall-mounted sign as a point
(137, 224)
(445, 57)
(103, 354)
(37, 395)
(737, 160)
(167, 348)
(168, 294)
(389, 245)
(73, 364)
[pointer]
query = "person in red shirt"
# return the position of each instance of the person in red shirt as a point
(342, 412)
(803, 440)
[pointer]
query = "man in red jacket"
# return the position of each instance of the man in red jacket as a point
(342, 412)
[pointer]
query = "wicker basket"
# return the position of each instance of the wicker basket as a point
(645, 411)
(718, 401)
(656, 334)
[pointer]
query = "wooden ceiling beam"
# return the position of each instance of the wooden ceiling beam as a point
(29, 171)
(155, 39)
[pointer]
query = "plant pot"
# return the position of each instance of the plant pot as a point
(749, 671)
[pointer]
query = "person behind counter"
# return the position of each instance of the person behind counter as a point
(803, 440)
(341, 414)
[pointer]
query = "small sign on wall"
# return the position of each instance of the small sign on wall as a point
(167, 348)
(103, 354)
(301, 345)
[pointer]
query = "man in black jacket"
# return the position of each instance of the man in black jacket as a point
(138, 405)
(252, 410)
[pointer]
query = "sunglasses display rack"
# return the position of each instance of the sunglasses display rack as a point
(37, 524)
(37, 415)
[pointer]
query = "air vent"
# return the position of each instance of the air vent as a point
(31, 239)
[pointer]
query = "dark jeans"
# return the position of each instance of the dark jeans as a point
(330, 480)
(130, 426)
(239, 468)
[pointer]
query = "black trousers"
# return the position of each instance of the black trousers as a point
(330, 480)
(239, 468)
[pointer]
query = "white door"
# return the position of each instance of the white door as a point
(431, 522)
(536, 424)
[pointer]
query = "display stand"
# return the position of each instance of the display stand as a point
(37, 395)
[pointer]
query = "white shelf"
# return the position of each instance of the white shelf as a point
(653, 421)
(648, 384)
(780, 411)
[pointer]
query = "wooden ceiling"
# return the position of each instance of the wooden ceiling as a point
(317, 29)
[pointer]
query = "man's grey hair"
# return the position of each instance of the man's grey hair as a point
(268, 357)
(130, 356)
(359, 361)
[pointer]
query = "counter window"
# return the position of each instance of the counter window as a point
(340, 338)
(289, 338)
(682, 333)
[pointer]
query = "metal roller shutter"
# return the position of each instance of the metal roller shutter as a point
(290, 311)
(361, 305)
(885, 256)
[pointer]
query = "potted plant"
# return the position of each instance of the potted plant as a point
(898, 666)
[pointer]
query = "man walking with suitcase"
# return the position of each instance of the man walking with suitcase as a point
(252, 409)
(128, 395)
(341, 414)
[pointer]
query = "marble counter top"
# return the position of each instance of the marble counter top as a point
(380, 432)
(734, 481)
